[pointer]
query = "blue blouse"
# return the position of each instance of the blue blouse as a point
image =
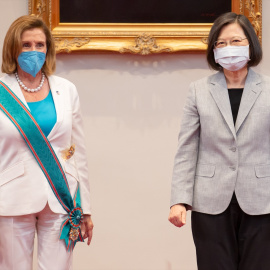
(44, 113)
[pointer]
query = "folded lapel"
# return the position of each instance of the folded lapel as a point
(219, 91)
(58, 103)
(251, 92)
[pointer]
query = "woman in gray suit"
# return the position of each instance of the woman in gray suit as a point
(222, 165)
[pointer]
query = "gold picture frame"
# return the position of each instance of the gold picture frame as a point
(134, 38)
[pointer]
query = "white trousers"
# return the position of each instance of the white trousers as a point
(17, 235)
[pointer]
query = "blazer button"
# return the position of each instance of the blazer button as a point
(233, 149)
(233, 168)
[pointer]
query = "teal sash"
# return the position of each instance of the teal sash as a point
(46, 158)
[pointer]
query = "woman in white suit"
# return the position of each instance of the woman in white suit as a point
(30, 199)
(222, 165)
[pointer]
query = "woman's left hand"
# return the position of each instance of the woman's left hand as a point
(87, 228)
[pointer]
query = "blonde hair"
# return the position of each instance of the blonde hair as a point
(12, 44)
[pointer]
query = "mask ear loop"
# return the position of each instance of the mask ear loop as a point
(45, 61)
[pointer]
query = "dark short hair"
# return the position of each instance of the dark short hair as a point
(226, 19)
(13, 44)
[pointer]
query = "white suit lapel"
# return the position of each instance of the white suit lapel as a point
(251, 92)
(219, 91)
(58, 103)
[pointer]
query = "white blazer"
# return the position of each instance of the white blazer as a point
(23, 186)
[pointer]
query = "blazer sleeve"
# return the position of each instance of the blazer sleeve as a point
(80, 153)
(187, 152)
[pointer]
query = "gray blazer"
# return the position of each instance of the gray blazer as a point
(215, 158)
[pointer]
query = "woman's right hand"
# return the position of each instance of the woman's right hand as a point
(177, 215)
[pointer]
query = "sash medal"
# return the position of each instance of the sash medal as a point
(46, 158)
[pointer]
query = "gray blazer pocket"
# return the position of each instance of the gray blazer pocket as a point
(205, 170)
(262, 171)
(11, 173)
(260, 110)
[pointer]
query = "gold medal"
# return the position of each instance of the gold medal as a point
(68, 153)
(73, 234)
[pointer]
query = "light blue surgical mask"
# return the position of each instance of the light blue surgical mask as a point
(31, 62)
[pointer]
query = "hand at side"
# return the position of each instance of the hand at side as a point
(177, 215)
(87, 228)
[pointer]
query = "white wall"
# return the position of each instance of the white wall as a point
(132, 108)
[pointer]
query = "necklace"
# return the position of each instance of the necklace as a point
(28, 89)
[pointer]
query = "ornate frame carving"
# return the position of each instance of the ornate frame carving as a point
(140, 39)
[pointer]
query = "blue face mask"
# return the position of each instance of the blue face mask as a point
(31, 62)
